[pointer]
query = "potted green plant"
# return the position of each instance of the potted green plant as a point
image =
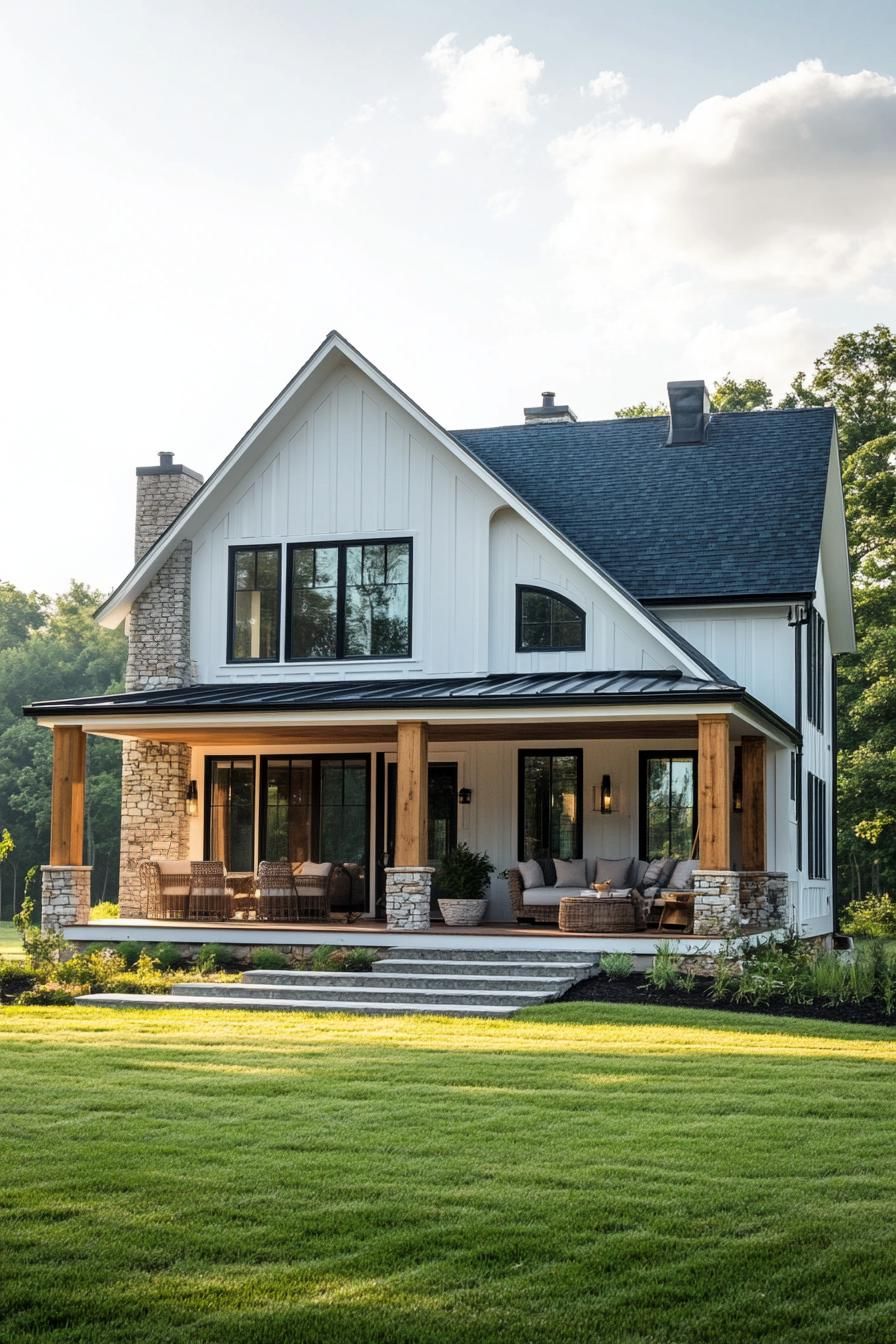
(464, 875)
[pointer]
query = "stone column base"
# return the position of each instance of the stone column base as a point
(763, 899)
(408, 893)
(65, 896)
(716, 903)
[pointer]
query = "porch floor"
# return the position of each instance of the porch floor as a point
(369, 932)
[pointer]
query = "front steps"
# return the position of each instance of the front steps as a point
(435, 982)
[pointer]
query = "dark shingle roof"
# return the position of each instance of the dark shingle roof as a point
(738, 515)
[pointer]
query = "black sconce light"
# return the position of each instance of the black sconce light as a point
(737, 784)
(603, 796)
(465, 797)
(191, 799)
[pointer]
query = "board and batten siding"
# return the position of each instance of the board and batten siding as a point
(353, 466)
(816, 894)
(754, 645)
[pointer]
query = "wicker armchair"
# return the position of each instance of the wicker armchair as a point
(150, 889)
(277, 897)
(538, 914)
(209, 897)
(314, 893)
(164, 888)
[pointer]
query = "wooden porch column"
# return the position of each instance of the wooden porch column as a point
(67, 805)
(752, 761)
(412, 796)
(714, 790)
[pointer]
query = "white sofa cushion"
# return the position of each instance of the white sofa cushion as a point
(544, 895)
(316, 869)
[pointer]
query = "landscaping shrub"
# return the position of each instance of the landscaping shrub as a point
(617, 965)
(871, 917)
(213, 957)
(724, 977)
(328, 958)
(168, 957)
(130, 953)
(91, 971)
(15, 979)
(42, 949)
(665, 973)
(269, 959)
(104, 910)
(47, 997)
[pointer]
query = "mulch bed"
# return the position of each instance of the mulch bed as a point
(634, 989)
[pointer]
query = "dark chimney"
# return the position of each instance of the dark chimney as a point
(549, 414)
(688, 411)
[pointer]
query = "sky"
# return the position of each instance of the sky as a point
(488, 199)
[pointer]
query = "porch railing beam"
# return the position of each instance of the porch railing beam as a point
(411, 819)
(67, 804)
(714, 790)
(752, 756)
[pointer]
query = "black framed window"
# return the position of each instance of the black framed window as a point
(441, 809)
(350, 600)
(230, 811)
(815, 670)
(817, 827)
(315, 808)
(254, 606)
(550, 804)
(547, 622)
(668, 803)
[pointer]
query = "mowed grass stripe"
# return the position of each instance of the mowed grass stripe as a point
(578, 1173)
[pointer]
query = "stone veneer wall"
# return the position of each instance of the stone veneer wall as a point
(155, 775)
(763, 899)
(65, 896)
(408, 892)
(716, 903)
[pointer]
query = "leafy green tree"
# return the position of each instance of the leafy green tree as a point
(20, 613)
(639, 410)
(857, 376)
(65, 654)
(753, 394)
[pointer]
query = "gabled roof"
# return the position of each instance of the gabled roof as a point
(333, 349)
(738, 516)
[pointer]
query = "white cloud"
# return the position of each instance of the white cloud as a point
(790, 182)
(503, 203)
(484, 88)
(329, 175)
(610, 85)
(367, 111)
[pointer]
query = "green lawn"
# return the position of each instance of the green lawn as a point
(582, 1173)
(10, 942)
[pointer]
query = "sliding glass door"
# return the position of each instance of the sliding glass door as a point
(230, 812)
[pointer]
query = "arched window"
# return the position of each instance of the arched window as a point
(547, 622)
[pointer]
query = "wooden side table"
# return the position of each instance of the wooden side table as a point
(677, 913)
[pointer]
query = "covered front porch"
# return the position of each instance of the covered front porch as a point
(544, 768)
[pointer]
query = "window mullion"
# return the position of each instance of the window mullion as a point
(340, 600)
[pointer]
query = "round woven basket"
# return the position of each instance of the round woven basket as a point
(462, 912)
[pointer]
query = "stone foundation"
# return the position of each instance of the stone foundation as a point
(154, 824)
(65, 896)
(716, 903)
(408, 892)
(763, 900)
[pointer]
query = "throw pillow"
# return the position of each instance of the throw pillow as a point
(570, 873)
(615, 871)
(658, 873)
(531, 874)
(316, 869)
(682, 878)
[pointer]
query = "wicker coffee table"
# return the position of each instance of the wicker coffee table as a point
(587, 913)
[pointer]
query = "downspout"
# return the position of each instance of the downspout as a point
(835, 878)
(797, 617)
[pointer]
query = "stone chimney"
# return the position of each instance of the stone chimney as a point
(159, 623)
(549, 414)
(155, 775)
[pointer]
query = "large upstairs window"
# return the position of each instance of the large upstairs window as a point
(254, 616)
(350, 600)
(547, 622)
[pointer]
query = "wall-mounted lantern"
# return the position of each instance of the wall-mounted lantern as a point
(191, 799)
(602, 796)
(465, 797)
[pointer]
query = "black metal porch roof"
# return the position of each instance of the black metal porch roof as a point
(581, 688)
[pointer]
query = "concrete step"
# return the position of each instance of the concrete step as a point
(256, 1004)
(568, 969)
(369, 993)
(523, 954)
(428, 975)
